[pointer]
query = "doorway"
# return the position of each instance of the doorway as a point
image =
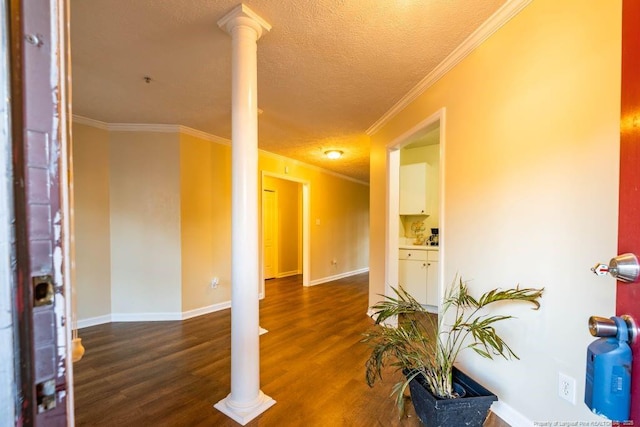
(285, 228)
(270, 232)
(413, 138)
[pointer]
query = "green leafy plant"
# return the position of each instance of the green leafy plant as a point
(422, 345)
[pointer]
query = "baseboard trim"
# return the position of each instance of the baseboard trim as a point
(206, 310)
(145, 317)
(163, 317)
(152, 317)
(337, 276)
(510, 415)
(288, 273)
(94, 321)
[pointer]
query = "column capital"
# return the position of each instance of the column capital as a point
(243, 15)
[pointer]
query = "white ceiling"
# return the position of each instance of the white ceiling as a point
(327, 71)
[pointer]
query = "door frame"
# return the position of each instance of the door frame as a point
(276, 240)
(8, 279)
(629, 202)
(306, 222)
(52, 119)
(393, 199)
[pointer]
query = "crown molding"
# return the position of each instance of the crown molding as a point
(90, 122)
(503, 15)
(141, 127)
(144, 127)
(125, 127)
(203, 135)
(309, 166)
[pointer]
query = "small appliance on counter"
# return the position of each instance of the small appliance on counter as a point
(432, 240)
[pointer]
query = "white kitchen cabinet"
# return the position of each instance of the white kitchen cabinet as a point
(418, 274)
(412, 273)
(433, 278)
(415, 197)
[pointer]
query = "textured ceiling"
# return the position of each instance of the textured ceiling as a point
(327, 71)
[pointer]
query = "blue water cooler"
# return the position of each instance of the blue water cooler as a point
(608, 378)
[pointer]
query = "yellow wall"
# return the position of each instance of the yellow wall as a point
(531, 179)
(158, 205)
(91, 221)
(339, 218)
(145, 222)
(205, 221)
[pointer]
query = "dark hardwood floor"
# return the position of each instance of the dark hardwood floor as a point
(172, 373)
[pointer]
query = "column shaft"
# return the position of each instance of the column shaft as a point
(245, 350)
(245, 401)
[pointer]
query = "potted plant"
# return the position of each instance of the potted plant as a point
(426, 349)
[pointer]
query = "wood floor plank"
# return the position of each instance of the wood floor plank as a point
(172, 373)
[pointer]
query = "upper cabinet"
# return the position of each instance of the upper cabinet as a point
(415, 191)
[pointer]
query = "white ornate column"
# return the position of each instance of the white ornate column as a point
(246, 401)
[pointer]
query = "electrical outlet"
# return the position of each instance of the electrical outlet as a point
(567, 387)
(215, 282)
(334, 262)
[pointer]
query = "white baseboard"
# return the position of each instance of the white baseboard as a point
(145, 317)
(161, 317)
(151, 317)
(337, 276)
(288, 274)
(94, 321)
(510, 415)
(205, 310)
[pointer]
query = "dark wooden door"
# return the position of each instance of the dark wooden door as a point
(628, 295)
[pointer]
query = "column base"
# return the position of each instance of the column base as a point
(244, 414)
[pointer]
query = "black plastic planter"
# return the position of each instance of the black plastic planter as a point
(470, 410)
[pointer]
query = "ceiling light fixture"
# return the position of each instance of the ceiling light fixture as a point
(333, 154)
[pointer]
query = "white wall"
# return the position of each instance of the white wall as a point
(145, 223)
(531, 182)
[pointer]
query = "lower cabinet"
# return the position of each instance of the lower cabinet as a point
(433, 275)
(418, 274)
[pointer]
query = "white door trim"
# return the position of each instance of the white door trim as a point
(274, 225)
(306, 230)
(393, 199)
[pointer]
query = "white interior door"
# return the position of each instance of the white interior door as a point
(270, 235)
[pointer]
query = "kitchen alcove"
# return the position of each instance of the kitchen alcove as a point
(414, 197)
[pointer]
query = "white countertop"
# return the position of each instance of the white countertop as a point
(419, 247)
